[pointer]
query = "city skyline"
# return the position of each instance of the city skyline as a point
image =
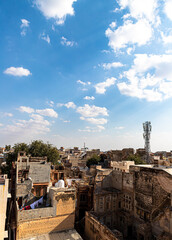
(86, 71)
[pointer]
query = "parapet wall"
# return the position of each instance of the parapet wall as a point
(26, 215)
(59, 217)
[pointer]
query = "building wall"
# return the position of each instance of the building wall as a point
(40, 226)
(59, 217)
(3, 203)
(95, 230)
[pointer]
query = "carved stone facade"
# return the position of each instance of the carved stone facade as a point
(137, 203)
(96, 230)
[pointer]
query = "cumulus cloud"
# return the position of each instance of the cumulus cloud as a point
(89, 98)
(34, 126)
(56, 9)
(140, 9)
(26, 109)
(149, 78)
(92, 129)
(49, 112)
(1, 124)
(45, 37)
(126, 34)
(66, 42)
(24, 25)
(168, 9)
(166, 38)
(17, 71)
(83, 83)
(97, 121)
(108, 66)
(67, 105)
(8, 114)
(50, 103)
(113, 25)
(101, 87)
(92, 111)
(119, 128)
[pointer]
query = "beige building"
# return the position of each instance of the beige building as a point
(137, 203)
(95, 230)
(3, 205)
(57, 217)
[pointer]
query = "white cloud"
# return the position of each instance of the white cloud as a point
(130, 50)
(24, 25)
(149, 78)
(97, 121)
(126, 34)
(140, 9)
(45, 37)
(89, 98)
(34, 126)
(119, 128)
(1, 124)
(101, 87)
(66, 42)
(168, 8)
(17, 71)
(108, 66)
(26, 109)
(91, 129)
(166, 39)
(8, 114)
(66, 121)
(50, 103)
(57, 9)
(112, 25)
(92, 111)
(68, 105)
(105, 51)
(83, 83)
(49, 112)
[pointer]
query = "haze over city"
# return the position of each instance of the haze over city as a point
(86, 71)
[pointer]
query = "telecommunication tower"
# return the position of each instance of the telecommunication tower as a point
(146, 135)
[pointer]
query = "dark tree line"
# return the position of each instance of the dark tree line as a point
(36, 148)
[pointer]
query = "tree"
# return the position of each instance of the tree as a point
(103, 157)
(40, 149)
(18, 147)
(94, 160)
(7, 148)
(36, 149)
(135, 158)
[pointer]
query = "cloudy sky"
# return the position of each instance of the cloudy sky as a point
(75, 71)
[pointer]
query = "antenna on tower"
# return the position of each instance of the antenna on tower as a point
(146, 135)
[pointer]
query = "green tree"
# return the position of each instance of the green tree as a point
(135, 158)
(40, 149)
(36, 149)
(94, 160)
(7, 147)
(18, 147)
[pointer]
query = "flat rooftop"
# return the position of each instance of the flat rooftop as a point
(65, 235)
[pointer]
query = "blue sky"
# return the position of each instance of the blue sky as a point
(75, 71)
